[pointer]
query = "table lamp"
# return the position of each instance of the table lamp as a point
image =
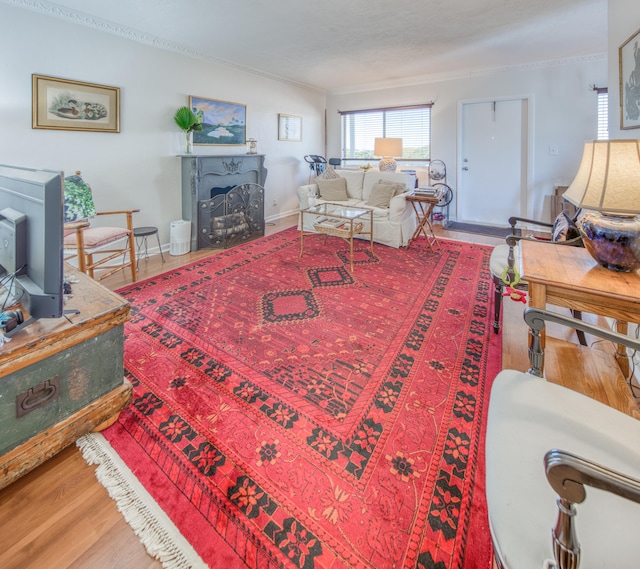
(388, 148)
(607, 188)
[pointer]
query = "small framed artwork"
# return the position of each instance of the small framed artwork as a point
(64, 104)
(629, 57)
(289, 128)
(223, 123)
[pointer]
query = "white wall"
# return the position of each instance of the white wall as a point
(564, 111)
(138, 167)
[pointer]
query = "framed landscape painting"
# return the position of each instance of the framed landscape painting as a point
(64, 104)
(223, 123)
(629, 58)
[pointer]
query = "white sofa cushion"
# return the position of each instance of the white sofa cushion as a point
(333, 190)
(381, 195)
(354, 182)
(328, 174)
(374, 177)
(398, 187)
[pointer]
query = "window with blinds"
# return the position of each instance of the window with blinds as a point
(412, 124)
(603, 113)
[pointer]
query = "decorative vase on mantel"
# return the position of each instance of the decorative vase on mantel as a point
(188, 121)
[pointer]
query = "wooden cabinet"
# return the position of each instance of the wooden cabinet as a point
(223, 198)
(61, 378)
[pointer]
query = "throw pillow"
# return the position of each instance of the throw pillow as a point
(333, 190)
(381, 195)
(328, 174)
(563, 228)
(398, 187)
(78, 201)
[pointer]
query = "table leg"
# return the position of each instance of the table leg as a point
(301, 233)
(423, 219)
(538, 299)
(621, 351)
(427, 221)
(417, 231)
(351, 245)
(160, 246)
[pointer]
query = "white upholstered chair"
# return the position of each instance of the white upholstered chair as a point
(562, 471)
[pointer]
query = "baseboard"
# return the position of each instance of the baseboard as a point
(281, 215)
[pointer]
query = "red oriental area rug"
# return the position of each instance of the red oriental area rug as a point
(290, 413)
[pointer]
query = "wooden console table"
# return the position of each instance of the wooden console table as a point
(571, 278)
(62, 378)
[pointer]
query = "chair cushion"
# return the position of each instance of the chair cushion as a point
(564, 228)
(78, 200)
(96, 237)
(529, 416)
(333, 190)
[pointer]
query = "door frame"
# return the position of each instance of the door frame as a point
(526, 146)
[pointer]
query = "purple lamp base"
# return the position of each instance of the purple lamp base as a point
(612, 240)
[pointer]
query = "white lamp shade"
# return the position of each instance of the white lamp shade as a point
(391, 147)
(608, 178)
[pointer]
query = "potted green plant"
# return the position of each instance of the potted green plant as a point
(187, 121)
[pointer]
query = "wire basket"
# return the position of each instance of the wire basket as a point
(343, 231)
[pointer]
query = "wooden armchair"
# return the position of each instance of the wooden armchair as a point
(562, 469)
(505, 258)
(106, 249)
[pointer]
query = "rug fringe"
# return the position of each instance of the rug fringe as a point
(153, 527)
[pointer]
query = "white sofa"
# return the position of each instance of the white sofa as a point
(392, 226)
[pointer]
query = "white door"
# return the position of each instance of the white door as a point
(493, 179)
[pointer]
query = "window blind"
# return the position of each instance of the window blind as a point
(410, 123)
(603, 113)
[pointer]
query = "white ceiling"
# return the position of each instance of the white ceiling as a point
(334, 45)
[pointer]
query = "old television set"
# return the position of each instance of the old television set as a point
(31, 240)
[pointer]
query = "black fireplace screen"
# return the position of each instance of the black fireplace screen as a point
(232, 215)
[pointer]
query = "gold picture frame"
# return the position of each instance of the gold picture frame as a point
(64, 104)
(289, 128)
(223, 123)
(629, 60)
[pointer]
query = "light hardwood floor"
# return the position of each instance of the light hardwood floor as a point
(59, 516)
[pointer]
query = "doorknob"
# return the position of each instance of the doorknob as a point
(465, 168)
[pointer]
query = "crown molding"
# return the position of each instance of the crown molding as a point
(440, 77)
(55, 11)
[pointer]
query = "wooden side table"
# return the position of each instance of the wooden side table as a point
(571, 278)
(423, 207)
